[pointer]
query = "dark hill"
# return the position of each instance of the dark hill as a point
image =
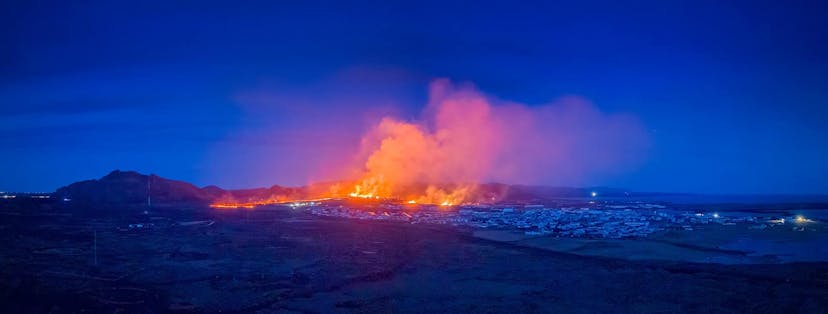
(132, 189)
(124, 188)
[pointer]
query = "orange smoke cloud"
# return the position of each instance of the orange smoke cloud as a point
(464, 138)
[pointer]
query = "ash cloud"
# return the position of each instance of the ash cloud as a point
(464, 136)
(342, 129)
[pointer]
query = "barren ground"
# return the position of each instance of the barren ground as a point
(285, 261)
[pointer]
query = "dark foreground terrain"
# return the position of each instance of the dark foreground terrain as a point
(279, 260)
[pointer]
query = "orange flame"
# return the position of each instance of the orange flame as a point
(436, 161)
(465, 137)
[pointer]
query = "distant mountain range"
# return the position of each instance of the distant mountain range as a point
(133, 188)
(130, 189)
(123, 188)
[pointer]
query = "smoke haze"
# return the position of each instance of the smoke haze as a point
(464, 137)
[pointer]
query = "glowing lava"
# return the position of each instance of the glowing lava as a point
(464, 137)
(292, 203)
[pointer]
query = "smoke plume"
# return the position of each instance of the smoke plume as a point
(464, 137)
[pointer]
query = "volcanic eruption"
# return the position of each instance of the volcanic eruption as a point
(464, 137)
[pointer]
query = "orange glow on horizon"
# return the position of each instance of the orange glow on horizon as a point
(464, 138)
(231, 205)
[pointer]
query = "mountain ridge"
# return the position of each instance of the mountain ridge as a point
(133, 188)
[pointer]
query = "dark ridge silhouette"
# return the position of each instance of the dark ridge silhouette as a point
(130, 188)
(133, 189)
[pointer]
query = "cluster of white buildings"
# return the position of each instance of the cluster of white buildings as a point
(597, 221)
(10, 195)
(565, 222)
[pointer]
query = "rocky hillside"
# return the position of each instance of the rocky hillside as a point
(133, 188)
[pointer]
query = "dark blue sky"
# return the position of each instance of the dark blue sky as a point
(734, 94)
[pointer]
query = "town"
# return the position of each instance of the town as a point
(630, 220)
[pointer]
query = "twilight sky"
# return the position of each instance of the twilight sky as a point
(733, 96)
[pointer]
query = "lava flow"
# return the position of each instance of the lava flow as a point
(464, 138)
